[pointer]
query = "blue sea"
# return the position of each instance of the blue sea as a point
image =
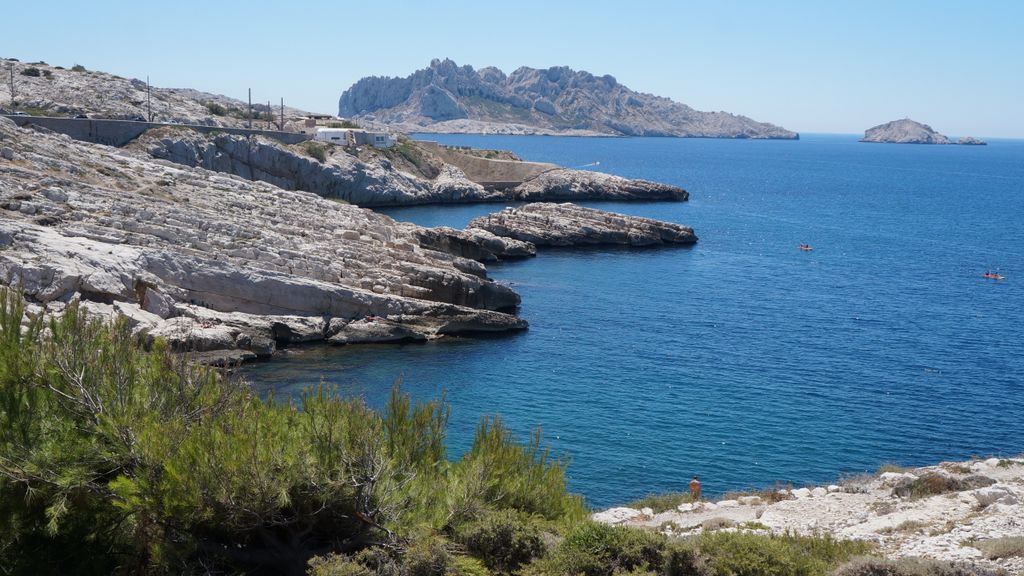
(743, 359)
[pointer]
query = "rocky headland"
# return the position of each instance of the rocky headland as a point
(445, 97)
(955, 511)
(907, 131)
(410, 174)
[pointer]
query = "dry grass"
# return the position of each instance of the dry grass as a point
(662, 502)
(932, 483)
(716, 523)
(905, 527)
(996, 548)
(891, 467)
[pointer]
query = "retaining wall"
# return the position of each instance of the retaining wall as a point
(121, 132)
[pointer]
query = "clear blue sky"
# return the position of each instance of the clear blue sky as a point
(811, 66)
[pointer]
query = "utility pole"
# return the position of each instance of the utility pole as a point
(281, 127)
(250, 108)
(270, 115)
(10, 68)
(149, 101)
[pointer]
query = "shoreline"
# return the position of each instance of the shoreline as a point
(947, 511)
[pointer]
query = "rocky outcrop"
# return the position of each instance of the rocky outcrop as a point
(571, 225)
(474, 243)
(957, 507)
(904, 131)
(578, 185)
(445, 97)
(375, 181)
(212, 261)
(971, 141)
(55, 90)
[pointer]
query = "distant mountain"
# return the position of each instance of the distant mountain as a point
(446, 97)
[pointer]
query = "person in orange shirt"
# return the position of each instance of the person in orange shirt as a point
(695, 488)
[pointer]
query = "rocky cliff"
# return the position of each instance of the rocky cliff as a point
(445, 97)
(217, 262)
(904, 131)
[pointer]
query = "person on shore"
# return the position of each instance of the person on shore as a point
(695, 488)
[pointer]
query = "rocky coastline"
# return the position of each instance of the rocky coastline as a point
(375, 180)
(947, 512)
(231, 268)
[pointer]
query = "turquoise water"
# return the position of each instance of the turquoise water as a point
(743, 359)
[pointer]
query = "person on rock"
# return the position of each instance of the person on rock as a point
(695, 488)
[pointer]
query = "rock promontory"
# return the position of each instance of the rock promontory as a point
(545, 224)
(905, 131)
(445, 97)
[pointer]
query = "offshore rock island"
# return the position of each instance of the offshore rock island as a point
(907, 131)
(445, 97)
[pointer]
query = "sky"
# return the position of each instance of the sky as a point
(810, 66)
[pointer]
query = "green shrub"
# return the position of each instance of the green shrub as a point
(344, 124)
(866, 566)
(933, 483)
(466, 566)
(216, 109)
(78, 68)
(1006, 547)
(426, 557)
(336, 565)
(114, 458)
(746, 554)
(593, 549)
(662, 502)
(315, 150)
(31, 71)
(504, 540)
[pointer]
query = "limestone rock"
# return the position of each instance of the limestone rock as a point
(904, 131)
(571, 225)
(445, 97)
(996, 493)
(576, 185)
(474, 243)
(616, 515)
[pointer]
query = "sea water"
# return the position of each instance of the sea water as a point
(743, 359)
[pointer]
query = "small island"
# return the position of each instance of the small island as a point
(907, 131)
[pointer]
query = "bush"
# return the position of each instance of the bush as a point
(746, 554)
(31, 71)
(336, 565)
(114, 458)
(593, 549)
(933, 483)
(1006, 547)
(662, 502)
(504, 540)
(716, 523)
(216, 109)
(865, 566)
(78, 68)
(316, 150)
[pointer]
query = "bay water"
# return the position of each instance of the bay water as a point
(742, 359)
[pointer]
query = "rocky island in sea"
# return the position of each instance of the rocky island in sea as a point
(907, 131)
(445, 97)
